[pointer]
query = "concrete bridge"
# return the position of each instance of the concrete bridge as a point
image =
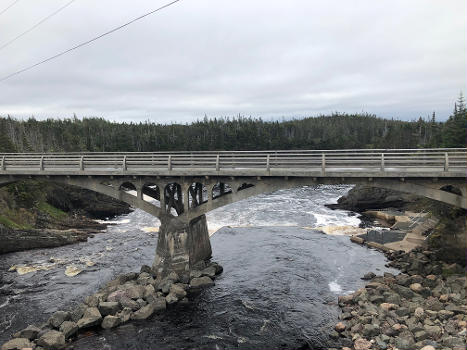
(180, 187)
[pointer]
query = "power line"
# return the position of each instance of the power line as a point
(11, 5)
(36, 25)
(88, 42)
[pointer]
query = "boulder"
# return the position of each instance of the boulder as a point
(416, 287)
(58, 318)
(340, 327)
(209, 271)
(52, 340)
(18, 344)
(110, 321)
(368, 276)
(370, 330)
(146, 268)
(117, 295)
(77, 312)
(173, 276)
(149, 290)
(171, 298)
(30, 332)
(404, 343)
(129, 303)
(179, 290)
(144, 279)
(434, 332)
(362, 344)
(109, 307)
(419, 313)
(69, 329)
(143, 313)
(134, 291)
(92, 317)
(195, 274)
(388, 306)
(124, 315)
(201, 282)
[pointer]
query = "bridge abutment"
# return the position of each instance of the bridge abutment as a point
(181, 245)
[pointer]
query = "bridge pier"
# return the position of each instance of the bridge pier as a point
(181, 245)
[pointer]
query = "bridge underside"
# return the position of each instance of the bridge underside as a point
(181, 202)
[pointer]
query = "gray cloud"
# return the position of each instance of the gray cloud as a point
(271, 59)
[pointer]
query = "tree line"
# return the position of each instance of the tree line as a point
(336, 131)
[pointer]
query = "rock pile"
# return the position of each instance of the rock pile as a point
(421, 308)
(131, 296)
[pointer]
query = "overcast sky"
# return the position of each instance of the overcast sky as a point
(263, 58)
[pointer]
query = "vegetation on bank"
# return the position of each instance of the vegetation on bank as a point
(337, 131)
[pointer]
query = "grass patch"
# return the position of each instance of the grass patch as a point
(51, 210)
(9, 223)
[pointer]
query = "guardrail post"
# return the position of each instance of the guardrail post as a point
(268, 166)
(382, 161)
(446, 161)
(323, 164)
(42, 163)
(124, 163)
(3, 166)
(81, 163)
(169, 163)
(217, 163)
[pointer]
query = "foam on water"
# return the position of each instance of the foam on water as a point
(335, 287)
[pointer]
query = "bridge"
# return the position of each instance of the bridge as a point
(180, 187)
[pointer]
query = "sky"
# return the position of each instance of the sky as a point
(263, 58)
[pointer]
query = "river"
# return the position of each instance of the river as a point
(279, 287)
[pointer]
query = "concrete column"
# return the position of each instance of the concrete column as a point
(180, 245)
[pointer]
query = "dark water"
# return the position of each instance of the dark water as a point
(278, 290)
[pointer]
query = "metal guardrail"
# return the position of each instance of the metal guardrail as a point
(352, 160)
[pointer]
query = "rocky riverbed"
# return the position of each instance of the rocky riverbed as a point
(131, 296)
(423, 307)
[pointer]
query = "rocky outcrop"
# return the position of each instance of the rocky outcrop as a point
(85, 202)
(15, 240)
(362, 198)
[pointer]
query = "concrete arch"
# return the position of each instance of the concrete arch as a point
(220, 189)
(152, 190)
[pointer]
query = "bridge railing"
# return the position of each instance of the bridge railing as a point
(383, 160)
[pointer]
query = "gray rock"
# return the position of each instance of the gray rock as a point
(141, 302)
(134, 291)
(173, 276)
(144, 279)
(209, 271)
(117, 295)
(171, 298)
(433, 331)
(130, 303)
(370, 330)
(445, 314)
(179, 290)
(77, 312)
(143, 313)
(92, 317)
(149, 290)
(368, 276)
(433, 304)
(30, 332)
(402, 311)
(403, 291)
(146, 268)
(201, 282)
(17, 344)
(404, 343)
(124, 315)
(69, 329)
(110, 321)
(109, 307)
(195, 274)
(92, 300)
(58, 318)
(52, 340)
(421, 335)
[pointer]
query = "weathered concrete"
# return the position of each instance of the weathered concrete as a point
(180, 245)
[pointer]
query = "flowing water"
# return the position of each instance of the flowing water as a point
(279, 287)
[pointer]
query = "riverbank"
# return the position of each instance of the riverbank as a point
(35, 214)
(424, 306)
(421, 308)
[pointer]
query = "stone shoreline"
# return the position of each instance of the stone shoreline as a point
(131, 296)
(423, 307)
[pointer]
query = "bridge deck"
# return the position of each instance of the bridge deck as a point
(330, 163)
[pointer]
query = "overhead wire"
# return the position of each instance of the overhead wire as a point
(88, 41)
(36, 25)
(8, 7)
